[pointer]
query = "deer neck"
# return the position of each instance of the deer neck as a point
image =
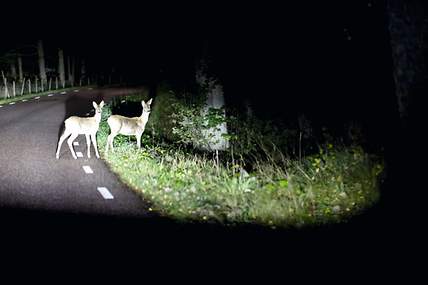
(144, 117)
(97, 117)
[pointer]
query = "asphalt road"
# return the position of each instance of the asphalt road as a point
(32, 179)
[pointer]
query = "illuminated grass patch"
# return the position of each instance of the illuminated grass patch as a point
(330, 186)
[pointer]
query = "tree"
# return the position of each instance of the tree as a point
(13, 69)
(213, 90)
(70, 69)
(42, 65)
(408, 29)
(20, 71)
(61, 67)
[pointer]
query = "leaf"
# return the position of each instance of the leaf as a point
(283, 183)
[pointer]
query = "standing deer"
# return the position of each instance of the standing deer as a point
(75, 126)
(128, 126)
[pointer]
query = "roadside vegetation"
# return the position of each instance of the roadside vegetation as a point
(268, 176)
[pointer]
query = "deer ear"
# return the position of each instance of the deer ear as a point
(102, 104)
(150, 101)
(94, 104)
(143, 103)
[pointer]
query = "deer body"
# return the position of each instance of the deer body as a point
(128, 126)
(75, 126)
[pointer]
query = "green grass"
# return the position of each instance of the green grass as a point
(41, 94)
(331, 186)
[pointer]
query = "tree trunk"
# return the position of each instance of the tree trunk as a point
(70, 71)
(13, 70)
(215, 99)
(82, 70)
(41, 53)
(22, 86)
(6, 90)
(73, 69)
(20, 72)
(61, 67)
(407, 30)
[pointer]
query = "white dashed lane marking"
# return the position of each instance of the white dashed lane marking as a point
(88, 169)
(105, 193)
(79, 154)
(76, 143)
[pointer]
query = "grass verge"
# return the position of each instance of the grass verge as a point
(330, 186)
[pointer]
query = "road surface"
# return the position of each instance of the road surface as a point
(32, 179)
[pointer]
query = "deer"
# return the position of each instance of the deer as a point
(128, 126)
(87, 126)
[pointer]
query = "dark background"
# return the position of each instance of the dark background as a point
(331, 61)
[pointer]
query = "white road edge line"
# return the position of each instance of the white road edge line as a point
(105, 193)
(87, 169)
(79, 154)
(76, 143)
(1, 106)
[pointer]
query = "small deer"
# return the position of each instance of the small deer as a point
(128, 126)
(75, 126)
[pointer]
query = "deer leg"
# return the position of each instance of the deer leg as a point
(61, 140)
(138, 136)
(70, 144)
(110, 140)
(88, 144)
(94, 142)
